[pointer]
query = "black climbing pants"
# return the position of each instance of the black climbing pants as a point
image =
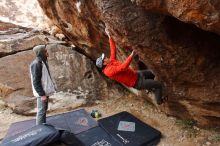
(146, 81)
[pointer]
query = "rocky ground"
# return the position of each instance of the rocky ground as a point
(175, 132)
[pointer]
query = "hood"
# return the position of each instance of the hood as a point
(40, 52)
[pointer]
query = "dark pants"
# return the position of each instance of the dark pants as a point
(146, 81)
(41, 111)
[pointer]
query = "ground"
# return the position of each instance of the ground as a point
(175, 132)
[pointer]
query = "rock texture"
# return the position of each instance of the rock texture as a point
(204, 14)
(15, 38)
(14, 72)
(80, 26)
(183, 56)
(23, 12)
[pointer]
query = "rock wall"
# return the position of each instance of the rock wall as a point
(181, 55)
(204, 14)
(25, 13)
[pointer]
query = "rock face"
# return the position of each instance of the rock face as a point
(23, 12)
(72, 71)
(15, 38)
(183, 56)
(204, 14)
(14, 72)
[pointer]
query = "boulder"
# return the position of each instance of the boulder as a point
(14, 74)
(15, 38)
(181, 55)
(204, 14)
(24, 12)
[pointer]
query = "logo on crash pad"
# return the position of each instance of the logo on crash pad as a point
(126, 126)
(102, 143)
(82, 121)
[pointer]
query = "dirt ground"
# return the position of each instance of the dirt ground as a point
(175, 132)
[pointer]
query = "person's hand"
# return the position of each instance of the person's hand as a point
(133, 53)
(44, 98)
(107, 32)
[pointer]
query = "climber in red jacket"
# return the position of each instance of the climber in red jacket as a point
(122, 73)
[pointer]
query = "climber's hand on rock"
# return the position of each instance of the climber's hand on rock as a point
(107, 32)
(133, 53)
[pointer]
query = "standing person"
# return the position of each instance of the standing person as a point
(122, 73)
(42, 84)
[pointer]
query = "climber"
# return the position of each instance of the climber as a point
(121, 72)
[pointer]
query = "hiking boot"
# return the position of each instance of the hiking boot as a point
(164, 92)
(158, 96)
(161, 95)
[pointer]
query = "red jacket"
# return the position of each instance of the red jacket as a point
(118, 71)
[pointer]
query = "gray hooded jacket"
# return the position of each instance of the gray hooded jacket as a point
(42, 83)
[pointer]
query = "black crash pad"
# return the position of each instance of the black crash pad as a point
(74, 121)
(35, 136)
(131, 132)
(97, 137)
